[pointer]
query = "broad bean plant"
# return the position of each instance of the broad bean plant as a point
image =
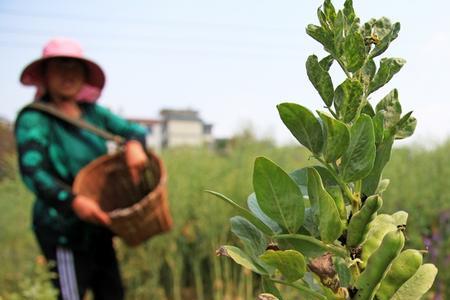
(318, 229)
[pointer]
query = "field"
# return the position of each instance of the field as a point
(182, 264)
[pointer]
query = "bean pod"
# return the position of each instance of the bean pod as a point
(402, 268)
(418, 284)
(359, 223)
(378, 264)
(378, 229)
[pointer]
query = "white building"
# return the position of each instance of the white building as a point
(177, 128)
(154, 132)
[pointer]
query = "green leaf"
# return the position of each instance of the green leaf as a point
(327, 178)
(278, 195)
(269, 287)
(339, 36)
(300, 177)
(336, 193)
(406, 129)
(354, 53)
(253, 205)
(320, 79)
(378, 127)
(366, 29)
(382, 27)
(415, 287)
(322, 19)
(329, 11)
(388, 68)
(368, 72)
(347, 99)
(382, 156)
(343, 271)
(290, 263)
(391, 109)
(358, 160)
(322, 36)
(385, 35)
(307, 291)
(368, 110)
(241, 258)
(245, 213)
(253, 239)
(302, 123)
(307, 248)
(308, 245)
(330, 225)
(337, 138)
(349, 12)
(311, 223)
(326, 63)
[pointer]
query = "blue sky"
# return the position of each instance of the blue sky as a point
(231, 60)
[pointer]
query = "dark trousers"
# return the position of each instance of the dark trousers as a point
(96, 269)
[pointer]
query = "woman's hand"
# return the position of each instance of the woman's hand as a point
(135, 158)
(88, 210)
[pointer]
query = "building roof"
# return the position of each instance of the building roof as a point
(143, 121)
(180, 114)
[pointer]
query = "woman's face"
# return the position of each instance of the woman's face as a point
(64, 77)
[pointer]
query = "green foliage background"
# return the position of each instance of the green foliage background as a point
(176, 265)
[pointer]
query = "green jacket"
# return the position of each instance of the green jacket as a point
(51, 153)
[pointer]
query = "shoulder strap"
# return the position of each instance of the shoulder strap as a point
(76, 122)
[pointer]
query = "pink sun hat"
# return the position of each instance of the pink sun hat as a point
(33, 74)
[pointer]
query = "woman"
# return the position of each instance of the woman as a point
(71, 229)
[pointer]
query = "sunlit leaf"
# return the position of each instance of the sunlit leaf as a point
(303, 125)
(278, 195)
(391, 109)
(385, 35)
(245, 213)
(388, 68)
(347, 99)
(330, 225)
(337, 137)
(405, 129)
(253, 239)
(322, 36)
(253, 205)
(382, 156)
(241, 258)
(326, 62)
(290, 263)
(320, 79)
(358, 160)
(354, 53)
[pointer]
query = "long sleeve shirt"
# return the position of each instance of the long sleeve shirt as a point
(51, 153)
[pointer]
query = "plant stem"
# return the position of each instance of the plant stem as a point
(302, 288)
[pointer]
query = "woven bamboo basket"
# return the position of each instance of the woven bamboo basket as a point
(137, 212)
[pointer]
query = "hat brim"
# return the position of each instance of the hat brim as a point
(33, 74)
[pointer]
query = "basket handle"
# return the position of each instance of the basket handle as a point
(76, 122)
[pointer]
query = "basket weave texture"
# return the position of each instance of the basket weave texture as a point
(137, 212)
